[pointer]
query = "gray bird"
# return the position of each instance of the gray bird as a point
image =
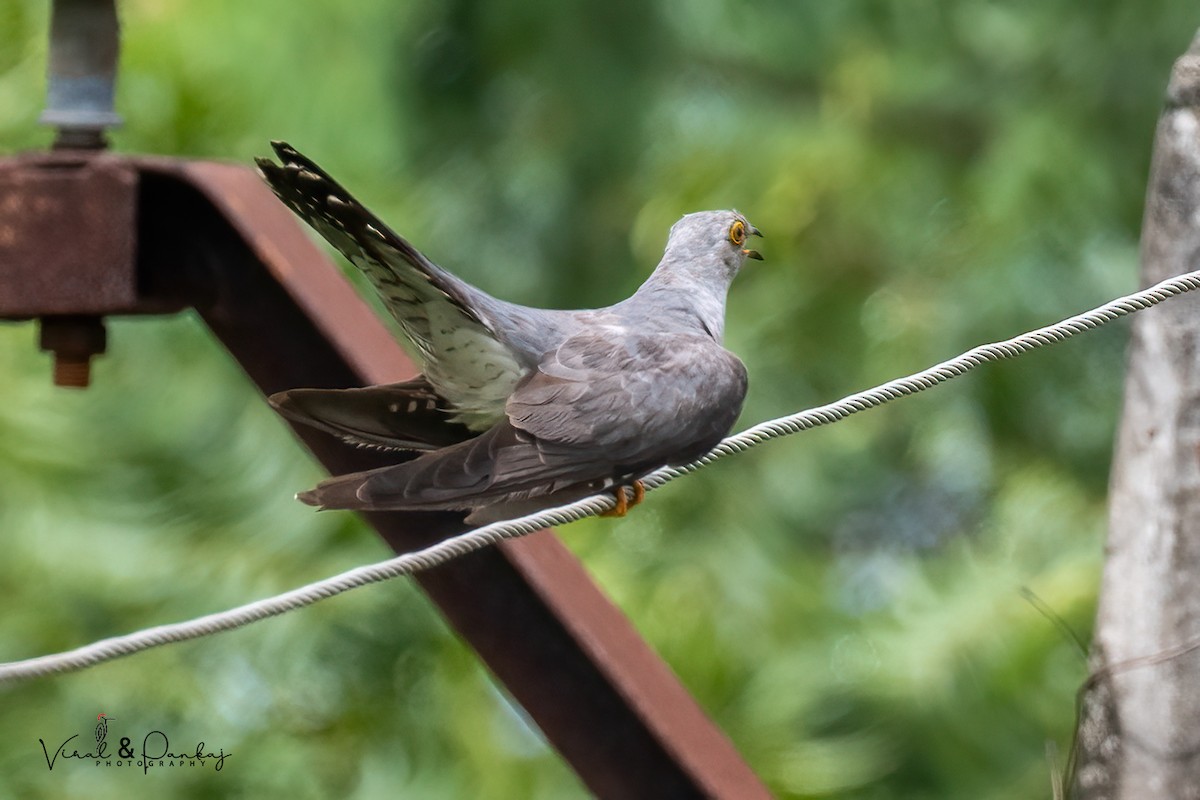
(520, 409)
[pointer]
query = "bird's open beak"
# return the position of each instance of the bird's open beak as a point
(757, 256)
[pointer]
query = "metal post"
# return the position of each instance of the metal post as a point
(81, 80)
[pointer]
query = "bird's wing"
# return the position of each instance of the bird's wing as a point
(598, 410)
(455, 334)
(636, 399)
(397, 416)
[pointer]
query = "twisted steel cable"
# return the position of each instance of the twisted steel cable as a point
(408, 563)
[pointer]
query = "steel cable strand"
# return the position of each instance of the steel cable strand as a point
(440, 553)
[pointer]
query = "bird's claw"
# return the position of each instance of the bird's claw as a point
(623, 503)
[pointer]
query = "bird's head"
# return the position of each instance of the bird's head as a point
(707, 236)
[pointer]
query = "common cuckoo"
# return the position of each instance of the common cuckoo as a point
(519, 409)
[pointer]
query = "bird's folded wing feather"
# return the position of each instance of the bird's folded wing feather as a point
(633, 401)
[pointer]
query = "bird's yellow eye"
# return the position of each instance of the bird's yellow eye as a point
(737, 233)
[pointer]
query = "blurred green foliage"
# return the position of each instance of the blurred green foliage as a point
(846, 604)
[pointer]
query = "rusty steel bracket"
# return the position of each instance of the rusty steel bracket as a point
(84, 235)
(68, 250)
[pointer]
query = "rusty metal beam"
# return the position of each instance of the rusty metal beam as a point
(213, 237)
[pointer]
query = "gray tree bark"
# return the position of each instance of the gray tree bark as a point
(1139, 735)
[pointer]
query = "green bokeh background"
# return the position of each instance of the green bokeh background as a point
(846, 604)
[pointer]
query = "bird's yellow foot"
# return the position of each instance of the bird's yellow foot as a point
(623, 503)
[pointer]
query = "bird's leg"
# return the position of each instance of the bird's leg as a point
(622, 506)
(623, 503)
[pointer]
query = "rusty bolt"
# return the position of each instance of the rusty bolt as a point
(73, 340)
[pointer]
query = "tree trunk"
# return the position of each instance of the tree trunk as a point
(1139, 735)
